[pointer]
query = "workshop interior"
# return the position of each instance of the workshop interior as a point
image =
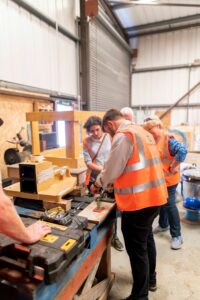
(65, 63)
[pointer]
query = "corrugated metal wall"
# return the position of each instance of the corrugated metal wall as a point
(163, 87)
(167, 86)
(178, 115)
(177, 47)
(33, 53)
(64, 11)
(109, 70)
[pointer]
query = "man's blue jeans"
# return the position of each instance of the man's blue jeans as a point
(169, 215)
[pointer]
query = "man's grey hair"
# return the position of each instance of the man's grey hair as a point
(127, 112)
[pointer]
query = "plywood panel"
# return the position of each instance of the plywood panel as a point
(13, 111)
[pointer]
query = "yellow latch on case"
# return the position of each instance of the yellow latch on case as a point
(50, 238)
(67, 245)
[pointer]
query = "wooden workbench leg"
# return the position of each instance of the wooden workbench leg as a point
(99, 290)
(104, 269)
(105, 265)
(102, 274)
(90, 280)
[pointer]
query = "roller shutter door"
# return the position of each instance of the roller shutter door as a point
(108, 70)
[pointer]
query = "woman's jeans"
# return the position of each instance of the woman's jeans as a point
(169, 215)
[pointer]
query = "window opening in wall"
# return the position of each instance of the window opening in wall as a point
(61, 135)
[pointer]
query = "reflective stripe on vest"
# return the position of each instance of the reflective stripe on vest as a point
(143, 162)
(141, 165)
(166, 158)
(139, 188)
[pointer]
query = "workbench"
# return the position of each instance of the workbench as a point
(92, 268)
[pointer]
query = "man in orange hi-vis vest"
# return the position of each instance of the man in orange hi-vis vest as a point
(135, 168)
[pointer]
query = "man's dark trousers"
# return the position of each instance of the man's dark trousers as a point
(140, 246)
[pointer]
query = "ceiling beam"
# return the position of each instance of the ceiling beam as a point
(124, 4)
(165, 68)
(154, 106)
(118, 26)
(163, 23)
(169, 29)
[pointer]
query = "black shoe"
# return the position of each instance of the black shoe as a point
(152, 287)
(117, 244)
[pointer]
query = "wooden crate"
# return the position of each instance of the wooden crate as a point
(75, 133)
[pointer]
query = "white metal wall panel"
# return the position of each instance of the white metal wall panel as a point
(194, 78)
(32, 53)
(194, 114)
(178, 116)
(68, 66)
(169, 49)
(63, 11)
(178, 47)
(163, 87)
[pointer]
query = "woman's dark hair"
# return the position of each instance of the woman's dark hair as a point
(94, 120)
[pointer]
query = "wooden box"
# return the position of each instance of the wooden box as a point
(35, 177)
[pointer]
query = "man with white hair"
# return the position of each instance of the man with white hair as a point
(127, 113)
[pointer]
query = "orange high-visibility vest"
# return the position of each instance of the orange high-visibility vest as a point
(142, 183)
(166, 158)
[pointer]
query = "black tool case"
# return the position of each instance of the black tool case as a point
(47, 259)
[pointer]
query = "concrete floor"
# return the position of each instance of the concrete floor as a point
(178, 271)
